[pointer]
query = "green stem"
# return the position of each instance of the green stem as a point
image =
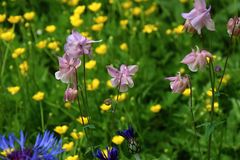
(84, 79)
(226, 61)
(4, 59)
(212, 79)
(42, 117)
(192, 115)
(137, 156)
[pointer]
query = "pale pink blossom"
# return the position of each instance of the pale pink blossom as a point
(196, 59)
(122, 78)
(233, 26)
(70, 94)
(67, 68)
(199, 17)
(78, 45)
(178, 83)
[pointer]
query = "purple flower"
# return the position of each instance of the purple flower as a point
(128, 134)
(46, 146)
(233, 26)
(199, 17)
(122, 78)
(178, 83)
(70, 94)
(112, 154)
(196, 59)
(67, 68)
(77, 45)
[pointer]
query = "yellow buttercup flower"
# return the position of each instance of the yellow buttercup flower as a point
(186, 92)
(8, 35)
(13, 90)
(14, 19)
(226, 78)
(75, 157)
(149, 28)
(39, 96)
(29, 15)
(2, 17)
(50, 28)
(136, 11)
(120, 97)
(79, 10)
(61, 129)
(93, 85)
(24, 68)
(151, 9)
(109, 84)
(6, 152)
(215, 106)
(168, 31)
(41, 44)
(97, 27)
(183, 1)
(209, 92)
(18, 52)
(67, 105)
(90, 64)
(53, 45)
(179, 29)
(68, 146)
(101, 19)
(76, 135)
(123, 23)
(82, 120)
(72, 2)
(118, 139)
(102, 49)
(124, 47)
(155, 108)
(75, 20)
(126, 5)
(105, 107)
(94, 6)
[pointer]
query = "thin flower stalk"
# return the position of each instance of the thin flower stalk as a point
(192, 115)
(42, 117)
(226, 61)
(212, 79)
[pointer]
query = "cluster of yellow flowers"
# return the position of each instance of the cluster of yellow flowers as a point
(93, 85)
(18, 52)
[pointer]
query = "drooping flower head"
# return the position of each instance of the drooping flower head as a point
(67, 68)
(70, 94)
(122, 78)
(129, 135)
(111, 153)
(199, 17)
(196, 59)
(233, 26)
(46, 147)
(178, 83)
(78, 45)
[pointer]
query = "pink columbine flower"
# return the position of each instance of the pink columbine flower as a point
(122, 78)
(70, 94)
(78, 45)
(67, 68)
(196, 59)
(199, 17)
(233, 26)
(178, 83)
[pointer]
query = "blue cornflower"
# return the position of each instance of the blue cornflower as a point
(46, 147)
(111, 154)
(129, 135)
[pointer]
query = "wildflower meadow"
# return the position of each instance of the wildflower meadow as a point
(119, 80)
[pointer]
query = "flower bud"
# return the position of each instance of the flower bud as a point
(233, 26)
(70, 94)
